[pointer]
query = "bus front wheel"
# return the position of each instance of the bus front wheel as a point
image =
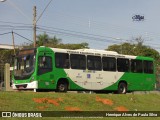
(122, 88)
(62, 87)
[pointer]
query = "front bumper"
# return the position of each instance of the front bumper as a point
(31, 85)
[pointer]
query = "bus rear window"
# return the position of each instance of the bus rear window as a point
(148, 67)
(136, 66)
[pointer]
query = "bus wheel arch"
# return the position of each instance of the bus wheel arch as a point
(122, 87)
(62, 85)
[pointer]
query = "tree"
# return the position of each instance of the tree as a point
(44, 39)
(6, 56)
(139, 40)
(73, 46)
(125, 48)
(137, 49)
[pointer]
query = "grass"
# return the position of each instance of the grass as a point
(48, 101)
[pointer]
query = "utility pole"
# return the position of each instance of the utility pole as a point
(35, 21)
(13, 43)
(34, 25)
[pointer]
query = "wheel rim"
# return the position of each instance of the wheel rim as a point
(61, 87)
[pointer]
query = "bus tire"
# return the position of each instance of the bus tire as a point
(62, 87)
(122, 88)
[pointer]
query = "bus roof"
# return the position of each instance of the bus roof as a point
(85, 51)
(98, 53)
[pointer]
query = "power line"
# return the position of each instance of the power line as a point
(14, 23)
(15, 28)
(18, 9)
(44, 10)
(12, 27)
(79, 32)
(59, 31)
(102, 27)
(127, 30)
(5, 33)
(80, 39)
(78, 35)
(97, 40)
(23, 37)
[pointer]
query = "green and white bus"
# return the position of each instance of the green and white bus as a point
(45, 68)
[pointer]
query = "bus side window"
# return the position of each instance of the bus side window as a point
(78, 61)
(98, 63)
(62, 60)
(90, 63)
(109, 63)
(44, 66)
(94, 63)
(122, 65)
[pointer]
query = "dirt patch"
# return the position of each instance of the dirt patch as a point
(72, 109)
(104, 101)
(40, 100)
(60, 99)
(121, 108)
(52, 101)
(48, 100)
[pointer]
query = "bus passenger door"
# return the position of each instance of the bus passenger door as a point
(45, 69)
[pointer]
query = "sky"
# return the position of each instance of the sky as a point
(100, 23)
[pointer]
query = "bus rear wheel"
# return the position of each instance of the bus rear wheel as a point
(122, 88)
(62, 87)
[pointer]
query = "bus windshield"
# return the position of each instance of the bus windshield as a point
(24, 66)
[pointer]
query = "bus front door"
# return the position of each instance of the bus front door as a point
(45, 71)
